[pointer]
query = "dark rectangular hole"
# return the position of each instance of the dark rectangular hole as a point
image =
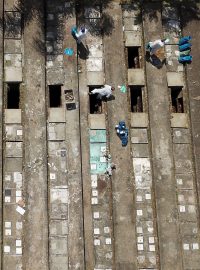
(95, 102)
(177, 99)
(133, 57)
(55, 95)
(13, 95)
(136, 99)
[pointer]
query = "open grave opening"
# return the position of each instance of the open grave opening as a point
(13, 95)
(133, 57)
(136, 98)
(95, 102)
(177, 99)
(55, 96)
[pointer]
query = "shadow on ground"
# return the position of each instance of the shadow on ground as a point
(189, 9)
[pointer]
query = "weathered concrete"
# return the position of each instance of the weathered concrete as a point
(139, 120)
(179, 120)
(191, 24)
(97, 121)
(35, 160)
(175, 79)
(122, 180)
(163, 167)
(75, 181)
(86, 177)
(136, 76)
(1, 127)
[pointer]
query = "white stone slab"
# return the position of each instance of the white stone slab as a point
(96, 231)
(108, 241)
(20, 210)
(140, 239)
(97, 242)
(140, 247)
(139, 212)
(6, 249)
(8, 232)
(7, 199)
(19, 251)
(195, 246)
(96, 215)
(94, 201)
(151, 240)
(152, 248)
(18, 243)
(139, 230)
(94, 193)
(19, 225)
(186, 246)
(8, 224)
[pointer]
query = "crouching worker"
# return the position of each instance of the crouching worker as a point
(79, 35)
(104, 92)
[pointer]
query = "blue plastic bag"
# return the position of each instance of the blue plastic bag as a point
(185, 46)
(185, 59)
(184, 40)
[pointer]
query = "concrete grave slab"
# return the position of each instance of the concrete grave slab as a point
(12, 25)
(56, 115)
(189, 229)
(139, 135)
(184, 181)
(59, 262)
(181, 135)
(60, 195)
(95, 78)
(13, 165)
(136, 76)
(139, 120)
(131, 10)
(94, 64)
(14, 149)
(12, 46)
(133, 38)
(55, 76)
(54, 61)
(59, 211)
(97, 121)
(12, 60)
(13, 74)
(175, 79)
(96, 50)
(179, 120)
(14, 132)
(56, 131)
(131, 24)
(58, 246)
(58, 227)
(140, 150)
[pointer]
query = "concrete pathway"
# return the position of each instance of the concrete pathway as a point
(122, 179)
(35, 162)
(163, 167)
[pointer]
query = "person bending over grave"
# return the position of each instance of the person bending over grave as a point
(104, 92)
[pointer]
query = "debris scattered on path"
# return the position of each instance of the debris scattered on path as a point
(69, 51)
(122, 88)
